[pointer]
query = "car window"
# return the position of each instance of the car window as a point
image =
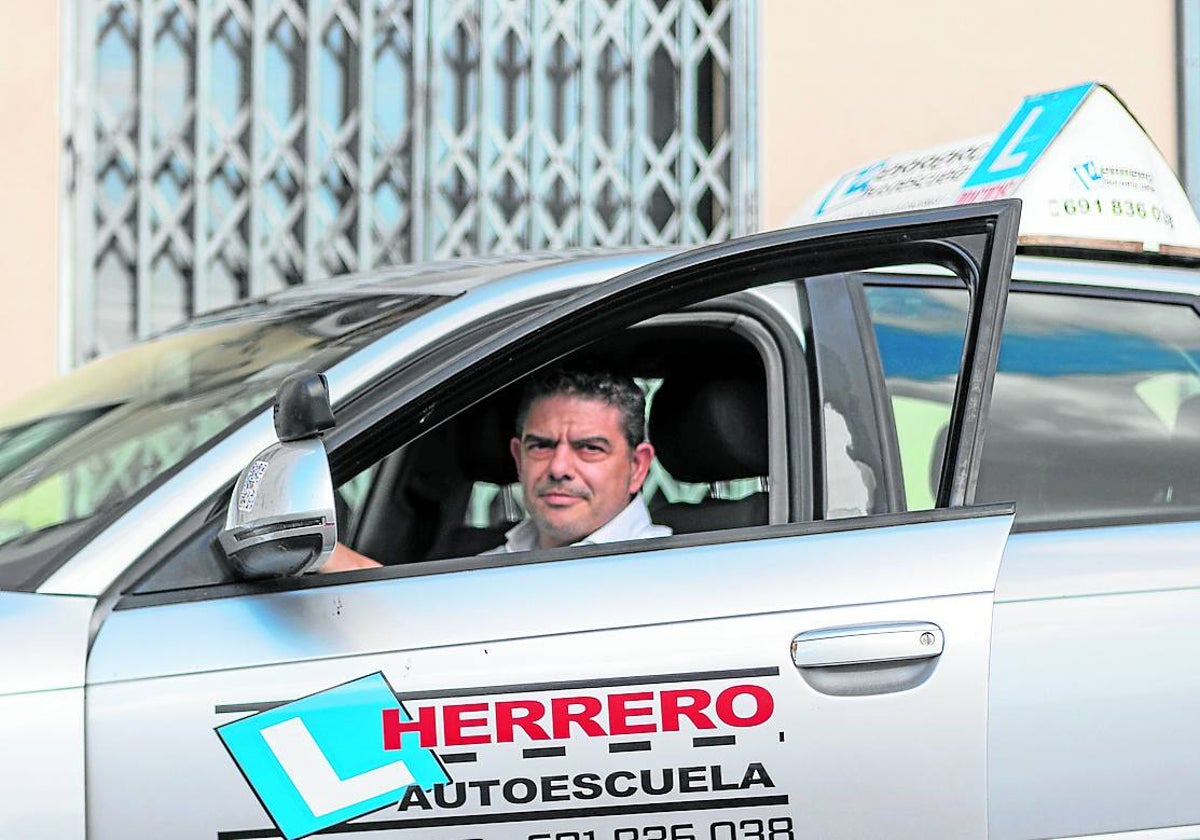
(1095, 410)
(742, 388)
(454, 491)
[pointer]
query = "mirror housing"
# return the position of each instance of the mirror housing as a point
(302, 407)
(281, 520)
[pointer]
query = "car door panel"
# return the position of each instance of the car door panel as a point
(225, 681)
(638, 622)
(1082, 562)
(1094, 721)
(576, 595)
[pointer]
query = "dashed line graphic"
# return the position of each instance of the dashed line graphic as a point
(543, 752)
(629, 746)
(714, 741)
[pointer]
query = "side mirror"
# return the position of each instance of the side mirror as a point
(281, 518)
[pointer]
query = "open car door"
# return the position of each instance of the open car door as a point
(808, 677)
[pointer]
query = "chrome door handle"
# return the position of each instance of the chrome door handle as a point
(867, 643)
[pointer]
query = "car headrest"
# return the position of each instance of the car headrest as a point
(481, 436)
(710, 429)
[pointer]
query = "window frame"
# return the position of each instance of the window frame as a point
(756, 322)
(977, 241)
(758, 326)
(1081, 290)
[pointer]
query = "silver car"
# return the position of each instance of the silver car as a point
(933, 574)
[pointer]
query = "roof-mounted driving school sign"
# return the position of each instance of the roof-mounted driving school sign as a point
(1083, 165)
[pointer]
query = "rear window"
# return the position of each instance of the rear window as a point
(1095, 413)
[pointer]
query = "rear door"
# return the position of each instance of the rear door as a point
(810, 678)
(1094, 431)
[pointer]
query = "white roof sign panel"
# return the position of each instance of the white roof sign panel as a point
(1084, 167)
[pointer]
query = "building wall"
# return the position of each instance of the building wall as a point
(30, 199)
(842, 83)
(845, 83)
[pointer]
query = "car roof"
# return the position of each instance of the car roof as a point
(581, 267)
(440, 278)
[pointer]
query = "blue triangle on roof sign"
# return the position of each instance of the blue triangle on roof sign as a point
(1032, 128)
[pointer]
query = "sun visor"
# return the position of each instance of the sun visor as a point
(1085, 168)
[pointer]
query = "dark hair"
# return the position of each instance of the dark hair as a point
(613, 389)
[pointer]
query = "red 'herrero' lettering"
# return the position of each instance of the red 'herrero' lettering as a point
(637, 712)
(454, 723)
(687, 703)
(620, 711)
(394, 727)
(764, 705)
(581, 711)
(507, 720)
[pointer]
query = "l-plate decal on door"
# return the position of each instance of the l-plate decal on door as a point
(608, 758)
(317, 762)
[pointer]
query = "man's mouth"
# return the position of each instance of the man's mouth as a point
(560, 497)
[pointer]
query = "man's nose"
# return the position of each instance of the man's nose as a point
(562, 464)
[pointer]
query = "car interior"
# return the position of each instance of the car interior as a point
(1057, 466)
(452, 492)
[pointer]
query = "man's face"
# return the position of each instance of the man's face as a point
(576, 468)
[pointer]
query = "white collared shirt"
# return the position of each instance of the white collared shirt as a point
(632, 523)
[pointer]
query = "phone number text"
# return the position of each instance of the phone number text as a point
(776, 828)
(1122, 207)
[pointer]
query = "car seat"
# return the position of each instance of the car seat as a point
(478, 440)
(708, 430)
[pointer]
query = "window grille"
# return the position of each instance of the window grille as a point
(227, 148)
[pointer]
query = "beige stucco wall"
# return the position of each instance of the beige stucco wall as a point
(29, 198)
(845, 83)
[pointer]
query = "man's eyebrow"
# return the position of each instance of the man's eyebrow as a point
(591, 440)
(531, 438)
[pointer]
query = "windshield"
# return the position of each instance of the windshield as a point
(94, 439)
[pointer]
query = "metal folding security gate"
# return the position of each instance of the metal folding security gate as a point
(225, 148)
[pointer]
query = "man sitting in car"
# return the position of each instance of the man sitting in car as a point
(582, 457)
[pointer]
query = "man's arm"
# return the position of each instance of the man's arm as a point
(345, 558)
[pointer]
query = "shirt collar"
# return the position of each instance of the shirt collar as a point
(632, 520)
